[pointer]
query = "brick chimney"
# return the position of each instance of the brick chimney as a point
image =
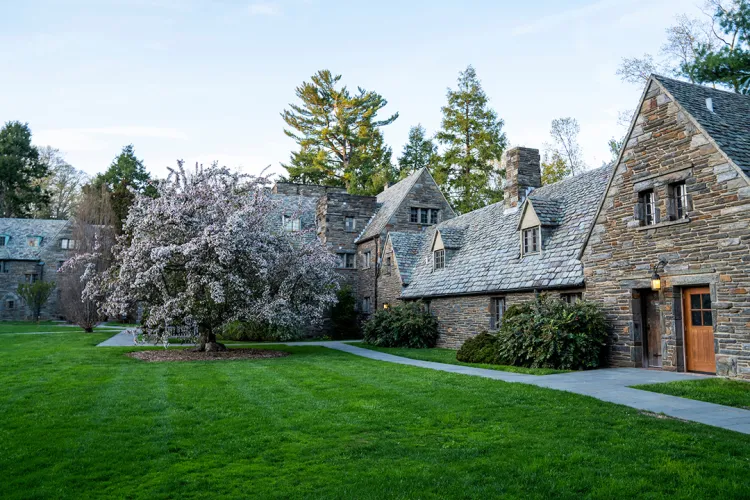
(523, 173)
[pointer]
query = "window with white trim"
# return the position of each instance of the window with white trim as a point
(530, 240)
(571, 298)
(33, 241)
(679, 201)
(291, 224)
(367, 260)
(67, 244)
(647, 208)
(4, 238)
(438, 259)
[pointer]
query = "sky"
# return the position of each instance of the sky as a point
(206, 81)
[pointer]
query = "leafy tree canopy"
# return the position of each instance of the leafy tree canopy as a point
(339, 137)
(554, 168)
(20, 172)
(474, 142)
(419, 152)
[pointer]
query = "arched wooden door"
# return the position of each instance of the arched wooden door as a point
(699, 330)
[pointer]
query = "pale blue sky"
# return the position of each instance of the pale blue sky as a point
(206, 81)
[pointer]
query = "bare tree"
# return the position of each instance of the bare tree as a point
(685, 39)
(94, 233)
(63, 184)
(637, 70)
(564, 132)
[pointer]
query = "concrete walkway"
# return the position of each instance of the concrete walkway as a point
(121, 339)
(609, 384)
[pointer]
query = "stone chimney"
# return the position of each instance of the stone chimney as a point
(523, 174)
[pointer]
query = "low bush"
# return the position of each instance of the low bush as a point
(482, 348)
(405, 325)
(344, 316)
(549, 333)
(251, 331)
(543, 333)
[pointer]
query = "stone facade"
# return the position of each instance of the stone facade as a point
(389, 284)
(522, 175)
(22, 263)
(462, 317)
(710, 247)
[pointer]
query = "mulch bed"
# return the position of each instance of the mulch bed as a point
(189, 355)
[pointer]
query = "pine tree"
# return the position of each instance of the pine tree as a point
(474, 144)
(339, 137)
(21, 172)
(126, 171)
(418, 152)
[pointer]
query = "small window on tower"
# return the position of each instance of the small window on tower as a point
(351, 224)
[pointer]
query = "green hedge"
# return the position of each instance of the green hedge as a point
(251, 331)
(405, 325)
(543, 333)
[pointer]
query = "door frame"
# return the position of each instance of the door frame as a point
(685, 311)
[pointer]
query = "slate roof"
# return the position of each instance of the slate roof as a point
(17, 248)
(728, 125)
(489, 259)
(453, 237)
(547, 210)
(407, 248)
(389, 200)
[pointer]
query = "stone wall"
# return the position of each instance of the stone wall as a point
(424, 194)
(389, 279)
(367, 276)
(711, 247)
(462, 317)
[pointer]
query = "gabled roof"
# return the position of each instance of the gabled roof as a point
(452, 237)
(389, 200)
(489, 258)
(728, 125)
(406, 249)
(19, 229)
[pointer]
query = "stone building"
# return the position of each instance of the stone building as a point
(669, 254)
(471, 268)
(31, 250)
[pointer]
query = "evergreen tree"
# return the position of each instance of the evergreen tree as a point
(474, 144)
(21, 172)
(125, 173)
(419, 152)
(339, 137)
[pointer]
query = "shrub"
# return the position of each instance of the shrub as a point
(482, 348)
(404, 325)
(344, 319)
(548, 333)
(256, 332)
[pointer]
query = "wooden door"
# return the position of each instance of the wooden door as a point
(699, 330)
(652, 321)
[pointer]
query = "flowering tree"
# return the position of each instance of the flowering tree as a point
(210, 249)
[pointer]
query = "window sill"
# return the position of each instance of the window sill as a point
(663, 224)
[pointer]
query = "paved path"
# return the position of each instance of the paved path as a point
(121, 339)
(608, 384)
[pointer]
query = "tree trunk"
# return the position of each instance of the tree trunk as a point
(208, 343)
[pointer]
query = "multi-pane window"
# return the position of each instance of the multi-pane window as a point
(10, 304)
(367, 260)
(351, 224)
(3, 266)
(31, 277)
(497, 308)
(3, 240)
(438, 259)
(700, 309)
(346, 260)
(571, 298)
(647, 207)
(530, 239)
(367, 305)
(291, 224)
(67, 244)
(33, 241)
(679, 201)
(424, 215)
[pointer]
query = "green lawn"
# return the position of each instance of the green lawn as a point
(713, 390)
(449, 356)
(42, 326)
(77, 421)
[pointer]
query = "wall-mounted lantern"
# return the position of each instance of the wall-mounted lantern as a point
(655, 278)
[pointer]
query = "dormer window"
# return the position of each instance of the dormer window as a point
(438, 259)
(33, 241)
(530, 240)
(291, 224)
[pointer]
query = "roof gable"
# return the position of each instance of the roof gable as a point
(407, 247)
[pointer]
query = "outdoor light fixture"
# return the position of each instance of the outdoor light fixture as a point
(385, 306)
(655, 278)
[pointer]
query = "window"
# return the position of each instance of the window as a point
(497, 309)
(571, 298)
(4, 239)
(10, 304)
(700, 309)
(648, 213)
(31, 277)
(346, 260)
(291, 224)
(367, 260)
(33, 241)
(434, 214)
(67, 244)
(438, 259)
(530, 239)
(367, 305)
(3, 266)
(388, 263)
(424, 215)
(678, 200)
(351, 224)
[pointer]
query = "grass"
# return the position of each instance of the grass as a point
(448, 356)
(42, 326)
(712, 390)
(79, 421)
